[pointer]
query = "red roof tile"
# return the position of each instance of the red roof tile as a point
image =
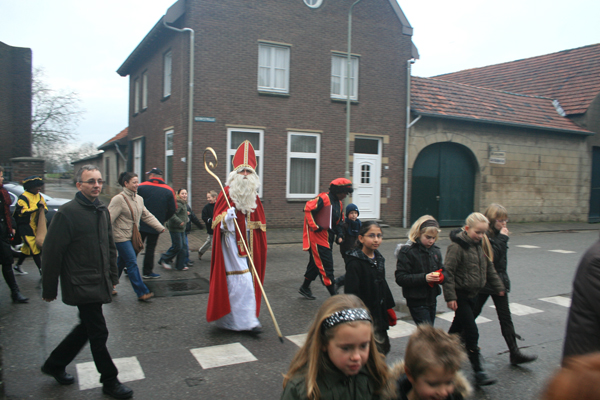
(118, 136)
(571, 76)
(436, 97)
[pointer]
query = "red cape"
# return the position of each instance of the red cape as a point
(218, 296)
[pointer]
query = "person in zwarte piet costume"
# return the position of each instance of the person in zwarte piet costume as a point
(234, 297)
(318, 241)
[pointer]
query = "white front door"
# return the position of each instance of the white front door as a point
(367, 178)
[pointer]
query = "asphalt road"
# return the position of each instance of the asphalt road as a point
(163, 347)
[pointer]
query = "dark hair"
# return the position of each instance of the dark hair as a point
(126, 177)
(364, 228)
(179, 191)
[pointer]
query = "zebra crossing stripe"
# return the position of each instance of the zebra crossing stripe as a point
(401, 329)
(562, 251)
(129, 370)
(222, 355)
(298, 340)
(558, 300)
(527, 246)
(520, 309)
(449, 316)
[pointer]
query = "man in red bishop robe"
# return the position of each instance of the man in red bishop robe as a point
(234, 297)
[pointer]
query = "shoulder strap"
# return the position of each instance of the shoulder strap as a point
(129, 205)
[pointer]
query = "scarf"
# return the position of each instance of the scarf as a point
(6, 201)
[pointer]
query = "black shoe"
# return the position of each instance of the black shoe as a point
(516, 357)
(256, 330)
(482, 379)
(17, 297)
(306, 292)
(117, 390)
(61, 377)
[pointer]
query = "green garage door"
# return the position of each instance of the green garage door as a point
(443, 183)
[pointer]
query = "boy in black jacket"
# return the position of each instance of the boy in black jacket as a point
(207, 215)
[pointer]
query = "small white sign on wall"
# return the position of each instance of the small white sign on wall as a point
(497, 157)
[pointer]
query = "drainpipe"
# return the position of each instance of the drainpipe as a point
(406, 137)
(190, 110)
(348, 64)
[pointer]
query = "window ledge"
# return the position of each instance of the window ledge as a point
(143, 109)
(276, 94)
(135, 114)
(344, 101)
(297, 200)
(165, 98)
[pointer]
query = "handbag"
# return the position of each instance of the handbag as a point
(136, 238)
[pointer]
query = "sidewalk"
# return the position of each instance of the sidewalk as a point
(294, 235)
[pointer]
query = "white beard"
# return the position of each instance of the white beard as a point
(243, 190)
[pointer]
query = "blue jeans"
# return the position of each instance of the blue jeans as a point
(187, 248)
(423, 314)
(128, 259)
(177, 249)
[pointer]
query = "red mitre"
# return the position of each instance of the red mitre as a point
(340, 182)
(244, 157)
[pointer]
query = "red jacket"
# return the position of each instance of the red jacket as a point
(313, 233)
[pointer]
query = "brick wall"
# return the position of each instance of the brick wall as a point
(15, 102)
(22, 167)
(227, 37)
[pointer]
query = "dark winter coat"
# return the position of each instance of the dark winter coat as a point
(159, 199)
(207, 215)
(467, 268)
(365, 278)
(335, 385)
(174, 224)
(462, 388)
(351, 228)
(499, 243)
(414, 263)
(192, 218)
(583, 324)
(79, 247)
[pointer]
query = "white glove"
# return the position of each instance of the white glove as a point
(229, 219)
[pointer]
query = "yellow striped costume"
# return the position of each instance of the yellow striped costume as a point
(26, 217)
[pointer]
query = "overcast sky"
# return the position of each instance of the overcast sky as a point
(80, 44)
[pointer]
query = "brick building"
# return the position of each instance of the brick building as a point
(522, 133)
(15, 103)
(274, 72)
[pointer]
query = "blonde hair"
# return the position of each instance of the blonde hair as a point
(478, 218)
(493, 213)
(310, 360)
(415, 230)
(431, 347)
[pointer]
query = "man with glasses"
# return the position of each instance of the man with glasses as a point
(80, 249)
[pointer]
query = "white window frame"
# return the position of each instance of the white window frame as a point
(258, 152)
(144, 90)
(291, 155)
(337, 59)
(136, 95)
(271, 69)
(313, 3)
(137, 158)
(168, 69)
(169, 154)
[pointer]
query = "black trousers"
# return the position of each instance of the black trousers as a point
(151, 239)
(6, 259)
(502, 309)
(464, 321)
(320, 264)
(92, 328)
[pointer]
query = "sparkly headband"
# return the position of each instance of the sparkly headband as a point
(348, 315)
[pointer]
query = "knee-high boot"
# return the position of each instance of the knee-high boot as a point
(15, 293)
(516, 357)
(481, 377)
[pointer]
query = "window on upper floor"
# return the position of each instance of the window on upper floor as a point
(167, 67)
(145, 90)
(138, 157)
(339, 76)
(235, 137)
(136, 96)
(169, 157)
(273, 68)
(303, 165)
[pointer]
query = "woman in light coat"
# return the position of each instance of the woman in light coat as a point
(122, 222)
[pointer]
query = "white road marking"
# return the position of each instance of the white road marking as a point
(298, 340)
(562, 251)
(527, 246)
(520, 309)
(219, 356)
(559, 300)
(401, 329)
(129, 370)
(449, 316)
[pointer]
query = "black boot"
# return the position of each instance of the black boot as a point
(331, 289)
(9, 277)
(116, 389)
(516, 357)
(17, 297)
(305, 290)
(481, 378)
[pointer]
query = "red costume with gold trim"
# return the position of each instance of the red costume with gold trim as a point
(218, 299)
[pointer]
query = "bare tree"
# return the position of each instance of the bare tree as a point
(55, 116)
